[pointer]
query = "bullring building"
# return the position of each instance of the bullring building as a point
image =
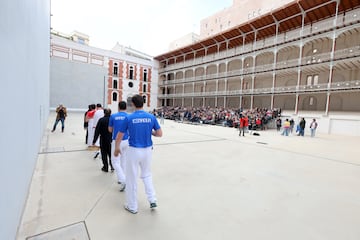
(303, 57)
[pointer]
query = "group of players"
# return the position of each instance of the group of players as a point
(125, 142)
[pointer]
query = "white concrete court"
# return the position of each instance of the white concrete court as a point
(211, 184)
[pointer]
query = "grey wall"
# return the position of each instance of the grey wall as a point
(75, 84)
(24, 64)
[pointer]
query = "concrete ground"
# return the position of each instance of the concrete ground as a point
(210, 183)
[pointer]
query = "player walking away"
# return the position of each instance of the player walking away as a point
(99, 113)
(86, 124)
(140, 126)
(60, 116)
(90, 120)
(119, 162)
(105, 140)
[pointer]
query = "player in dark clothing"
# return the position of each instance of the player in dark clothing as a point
(105, 140)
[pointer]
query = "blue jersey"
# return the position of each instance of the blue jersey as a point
(140, 125)
(116, 120)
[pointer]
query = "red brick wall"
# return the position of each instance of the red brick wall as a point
(149, 85)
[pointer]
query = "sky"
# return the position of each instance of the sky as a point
(144, 25)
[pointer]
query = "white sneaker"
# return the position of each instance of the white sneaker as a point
(122, 187)
(129, 210)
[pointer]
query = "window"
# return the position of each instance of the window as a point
(144, 88)
(114, 96)
(311, 101)
(312, 80)
(130, 84)
(316, 80)
(115, 84)
(246, 85)
(145, 75)
(144, 97)
(131, 73)
(81, 40)
(309, 80)
(115, 69)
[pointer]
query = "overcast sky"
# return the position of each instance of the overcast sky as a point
(145, 25)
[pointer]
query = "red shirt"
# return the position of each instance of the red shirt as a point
(246, 123)
(90, 114)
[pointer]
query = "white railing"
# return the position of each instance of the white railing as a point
(315, 59)
(318, 58)
(335, 86)
(352, 16)
(327, 24)
(348, 52)
(322, 25)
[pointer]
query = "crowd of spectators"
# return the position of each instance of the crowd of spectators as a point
(259, 118)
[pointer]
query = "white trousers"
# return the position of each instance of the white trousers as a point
(91, 132)
(119, 162)
(138, 157)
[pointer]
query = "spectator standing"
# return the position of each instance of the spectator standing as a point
(292, 123)
(140, 126)
(313, 127)
(162, 116)
(242, 126)
(302, 127)
(286, 128)
(61, 114)
(278, 124)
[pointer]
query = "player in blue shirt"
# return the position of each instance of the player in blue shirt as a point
(119, 162)
(140, 126)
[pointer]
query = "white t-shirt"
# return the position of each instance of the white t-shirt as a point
(99, 113)
(313, 125)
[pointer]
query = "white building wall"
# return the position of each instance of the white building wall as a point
(24, 61)
(79, 70)
(188, 39)
(230, 17)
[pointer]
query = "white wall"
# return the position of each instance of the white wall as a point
(335, 123)
(24, 64)
(76, 84)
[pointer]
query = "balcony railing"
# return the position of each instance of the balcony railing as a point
(316, 59)
(308, 30)
(323, 87)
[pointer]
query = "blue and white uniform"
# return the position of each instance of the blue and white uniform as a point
(139, 125)
(119, 163)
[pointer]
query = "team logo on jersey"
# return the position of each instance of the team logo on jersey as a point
(141, 120)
